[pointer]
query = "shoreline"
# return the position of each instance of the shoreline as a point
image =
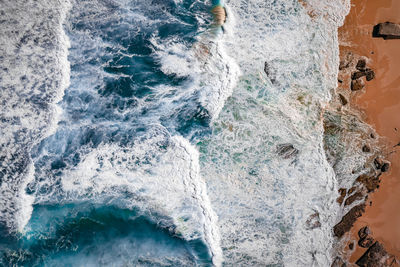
(379, 105)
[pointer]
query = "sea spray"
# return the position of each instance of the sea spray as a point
(34, 76)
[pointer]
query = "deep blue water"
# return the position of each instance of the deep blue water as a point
(112, 100)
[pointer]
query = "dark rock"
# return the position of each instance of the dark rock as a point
(370, 182)
(338, 262)
(387, 30)
(343, 100)
(366, 242)
(352, 198)
(358, 74)
(361, 64)
(348, 220)
(271, 72)
(286, 151)
(375, 256)
(378, 163)
(340, 81)
(370, 75)
(385, 167)
(351, 190)
(366, 149)
(351, 246)
(313, 221)
(342, 192)
(357, 85)
(364, 232)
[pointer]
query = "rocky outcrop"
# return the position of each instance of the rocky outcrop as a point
(348, 220)
(370, 182)
(376, 256)
(387, 30)
(287, 151)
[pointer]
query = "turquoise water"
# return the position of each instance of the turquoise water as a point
(142, 135)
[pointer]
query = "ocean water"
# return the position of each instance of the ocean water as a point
(137, 133)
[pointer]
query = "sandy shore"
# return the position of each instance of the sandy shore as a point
(380, 103)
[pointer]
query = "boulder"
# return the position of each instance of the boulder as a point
(385, 167)
(387, 30)
(370, 74)
(361, 64)
(358, 74)
(357, 85)
(366, 149)
(343, 100)
(348, 220)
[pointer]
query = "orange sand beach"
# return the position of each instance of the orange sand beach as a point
(380, 103)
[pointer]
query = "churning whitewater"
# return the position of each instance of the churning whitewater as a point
(167, 132)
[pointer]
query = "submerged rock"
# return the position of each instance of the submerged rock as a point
(366, 149)
(313, 221)
(286, 151)
(387, 30)
(348, 220)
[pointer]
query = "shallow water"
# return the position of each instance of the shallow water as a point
(163, 150)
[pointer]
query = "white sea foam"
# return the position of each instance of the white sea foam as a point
(34, 74)
(266, 199)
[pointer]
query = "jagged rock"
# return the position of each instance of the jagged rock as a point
(342, 192)
(357, 85)
(343, 100)
(348, 220)
(286, 151)
(385, 167)
(366, 149)
(364, 232)
(376, 256)
(313, 221)
(351, 246)
(366, 242)
(338, 262)
(361, 64)
(370, 182)
(387, 30)
(370, 74)
(352, 198)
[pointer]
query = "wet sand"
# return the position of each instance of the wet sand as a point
(380, 103)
